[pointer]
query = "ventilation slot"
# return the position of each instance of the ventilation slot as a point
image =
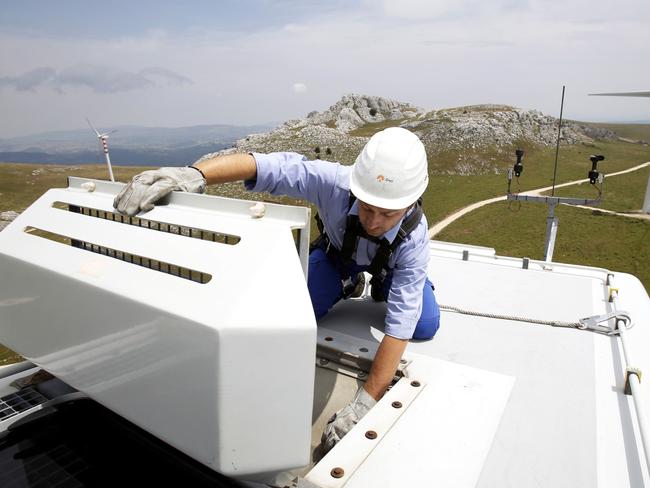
(161, 266)
(181, 230)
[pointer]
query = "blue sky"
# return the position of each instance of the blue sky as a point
(243, 62)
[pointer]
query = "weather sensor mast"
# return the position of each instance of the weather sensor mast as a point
(103, 138)
(552, 201)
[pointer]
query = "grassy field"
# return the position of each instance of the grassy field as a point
(629, 131)
(448, 193)
(584, 237)
(623, 193)
(22, 184)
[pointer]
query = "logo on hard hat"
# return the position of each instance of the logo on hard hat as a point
(383, 179)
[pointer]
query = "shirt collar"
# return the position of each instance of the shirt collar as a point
(392, 232)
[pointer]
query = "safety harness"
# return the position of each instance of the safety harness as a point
(378, 267)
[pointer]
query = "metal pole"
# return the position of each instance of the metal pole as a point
(639, 407)
(108, 158)
(557, 147)
(646, 200)
(551, 233)
(632, 378)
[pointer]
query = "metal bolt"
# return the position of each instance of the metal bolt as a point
(402, 361)
(415, 383)
(323, 361)
(337, 473)
(397, 404)
(371, 434)
(361, 374)
(329, 338)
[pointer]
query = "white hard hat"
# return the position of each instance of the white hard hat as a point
(391, 171)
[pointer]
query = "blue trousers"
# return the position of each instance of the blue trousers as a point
(325, 289)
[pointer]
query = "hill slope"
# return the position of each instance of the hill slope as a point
(463, 140)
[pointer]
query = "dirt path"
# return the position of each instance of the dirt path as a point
(435, 229)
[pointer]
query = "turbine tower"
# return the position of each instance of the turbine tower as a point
(646, 200)
(104, 141)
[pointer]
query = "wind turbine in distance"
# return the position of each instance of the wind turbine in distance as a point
(104, 140)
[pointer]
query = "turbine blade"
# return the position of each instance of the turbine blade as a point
(92, 127)
(105, 134)
(621, 94)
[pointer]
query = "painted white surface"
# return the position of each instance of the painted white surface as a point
(192, 362)
(445, 434)
(567, 422)
(189, 362)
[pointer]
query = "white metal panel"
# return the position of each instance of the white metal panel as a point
(440, 435)
(184, 360)
(620, 451)
(567, 422)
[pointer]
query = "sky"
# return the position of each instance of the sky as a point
(174, 64)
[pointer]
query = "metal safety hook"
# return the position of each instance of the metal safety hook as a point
(598, 323)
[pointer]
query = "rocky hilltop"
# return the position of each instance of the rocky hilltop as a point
(462, 140)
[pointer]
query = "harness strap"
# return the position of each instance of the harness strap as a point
(378, 268)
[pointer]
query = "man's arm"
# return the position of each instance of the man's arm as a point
(148, 187)
(384, 366)
(231, 167)
(381, 374)
(403, 309)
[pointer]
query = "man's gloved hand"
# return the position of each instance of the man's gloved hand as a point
(146, 188)
(346, 418)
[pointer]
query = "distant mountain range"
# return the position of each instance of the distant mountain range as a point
(129, 146)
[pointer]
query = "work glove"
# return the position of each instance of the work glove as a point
(146, 188)
(346, 418)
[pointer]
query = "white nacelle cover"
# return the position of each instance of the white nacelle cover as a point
(194, 322)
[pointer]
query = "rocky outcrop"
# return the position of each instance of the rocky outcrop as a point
(354, 111)
(496, 125)
(341, 131)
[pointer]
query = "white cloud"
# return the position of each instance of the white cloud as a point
(30, 80)
(299, 88)
(517, 52)
(101, 79)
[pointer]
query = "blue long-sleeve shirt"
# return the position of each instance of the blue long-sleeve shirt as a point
(327, 185)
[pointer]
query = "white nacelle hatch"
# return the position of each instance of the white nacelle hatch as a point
(193, 321)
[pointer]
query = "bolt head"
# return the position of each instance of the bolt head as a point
(415, 383)
(371, 434)
(337, 472)
(397, 404)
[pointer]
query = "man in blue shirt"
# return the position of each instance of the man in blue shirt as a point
(383, 217)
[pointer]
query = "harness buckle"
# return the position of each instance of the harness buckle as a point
(348, 287)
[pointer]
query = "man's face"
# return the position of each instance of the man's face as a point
(376, 221)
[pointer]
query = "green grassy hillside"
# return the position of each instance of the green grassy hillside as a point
(584, 237)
